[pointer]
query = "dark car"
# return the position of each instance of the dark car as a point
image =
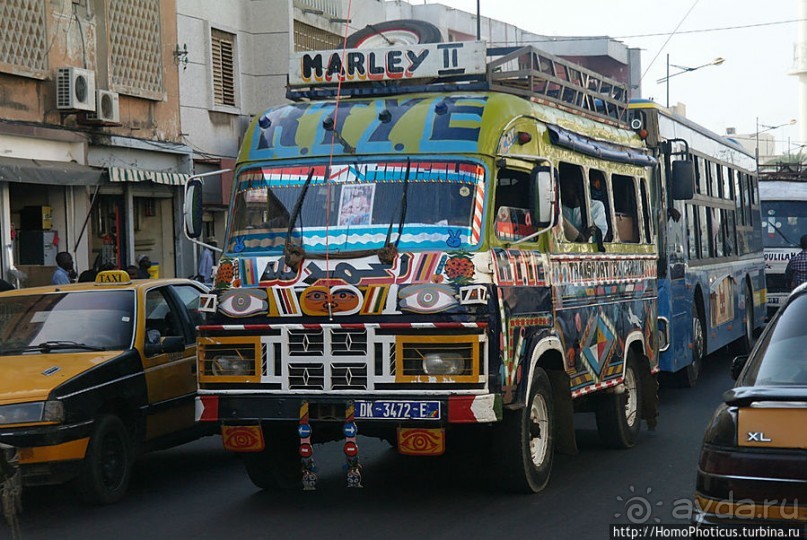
(92, 374)
(753, 462)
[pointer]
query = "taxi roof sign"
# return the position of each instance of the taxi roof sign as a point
(113, 277)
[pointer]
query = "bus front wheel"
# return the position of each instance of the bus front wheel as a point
(524, 443)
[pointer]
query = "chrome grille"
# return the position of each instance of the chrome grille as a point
(307, 376)
(306, 342)
(348, 376)
(348, 342)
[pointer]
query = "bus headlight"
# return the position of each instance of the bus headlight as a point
(443, 363)
(232, 365)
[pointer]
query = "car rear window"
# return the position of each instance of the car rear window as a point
(93, 318)
(781, 358)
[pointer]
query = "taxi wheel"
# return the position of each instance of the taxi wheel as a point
(619, 415)
(107, 467)
(524, 443)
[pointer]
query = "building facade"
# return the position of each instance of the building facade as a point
(92, 157)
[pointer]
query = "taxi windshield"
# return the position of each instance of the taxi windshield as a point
(67, 322)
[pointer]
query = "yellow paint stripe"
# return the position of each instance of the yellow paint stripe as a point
(68, 451)
(746, 509)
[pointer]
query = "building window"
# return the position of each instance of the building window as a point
(311, 38)
(223, 56)
(135, 61)
(23, 47)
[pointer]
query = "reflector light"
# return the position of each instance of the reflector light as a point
(524, 137)
(351, 449)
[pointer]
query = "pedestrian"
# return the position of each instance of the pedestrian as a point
(64, 272)
(796, 271)
(143, 265)
(205, 269)
(132, 271)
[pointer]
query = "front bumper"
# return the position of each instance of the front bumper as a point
(49, 454)
(254, 407)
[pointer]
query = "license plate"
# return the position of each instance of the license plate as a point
(414, 410)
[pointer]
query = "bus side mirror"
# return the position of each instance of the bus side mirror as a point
(683, 180)
(543, 195)
(192, 209)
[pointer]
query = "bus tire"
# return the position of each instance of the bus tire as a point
(747, 341)
(278, 467)
(688, 376)
(524, 442)
(107, 467)
(400, 32)
(619, 415)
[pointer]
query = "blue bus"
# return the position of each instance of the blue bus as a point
(711, 270)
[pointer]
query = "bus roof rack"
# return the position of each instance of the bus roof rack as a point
(792, 172)
(524, 71)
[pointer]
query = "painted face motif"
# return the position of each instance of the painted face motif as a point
(344, 300)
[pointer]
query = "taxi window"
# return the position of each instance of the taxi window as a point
(91, 318)
(161, 320)
(782, 358)
(189, 296)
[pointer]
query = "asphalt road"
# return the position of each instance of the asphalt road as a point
(198, 491)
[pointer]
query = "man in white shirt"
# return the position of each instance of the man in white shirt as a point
(573, 215)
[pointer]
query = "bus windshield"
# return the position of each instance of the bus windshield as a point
(354, 208)
(784, 222)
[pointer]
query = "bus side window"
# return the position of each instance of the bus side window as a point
(573, 201)
(514, 215)
(598, 188)
(625, 208)
(648, 231)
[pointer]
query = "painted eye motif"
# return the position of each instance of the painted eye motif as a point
(420, 442)
(241, 438)
(426, 298)
(243, 303)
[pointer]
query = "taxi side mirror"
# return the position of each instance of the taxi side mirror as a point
(170, 344)
(737, 365)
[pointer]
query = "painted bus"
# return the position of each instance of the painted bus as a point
(454, 243)
(783, 192)
(711, 281)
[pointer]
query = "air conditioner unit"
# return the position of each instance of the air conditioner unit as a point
(75, 89)
(107, 109)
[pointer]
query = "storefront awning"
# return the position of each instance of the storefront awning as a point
(118, 174)
(37, 171)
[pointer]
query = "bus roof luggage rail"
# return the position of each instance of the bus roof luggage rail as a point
(546, 78)
(524, 71)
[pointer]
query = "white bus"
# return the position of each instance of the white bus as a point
(783, 194)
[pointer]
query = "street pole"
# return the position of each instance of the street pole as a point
(668, 80)
(478, 22)
(756, 153)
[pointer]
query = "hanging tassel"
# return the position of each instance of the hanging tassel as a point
(353, 467)
(306, 450)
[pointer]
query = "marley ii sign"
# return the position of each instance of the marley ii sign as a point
(432, 60)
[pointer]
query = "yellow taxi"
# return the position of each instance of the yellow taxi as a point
(93, 374)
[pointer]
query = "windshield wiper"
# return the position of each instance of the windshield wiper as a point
(789, 243)
(388, 253)
(292, 253)
(48, 346)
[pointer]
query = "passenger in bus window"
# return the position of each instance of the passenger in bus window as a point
(600, 209)
(573, 217)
